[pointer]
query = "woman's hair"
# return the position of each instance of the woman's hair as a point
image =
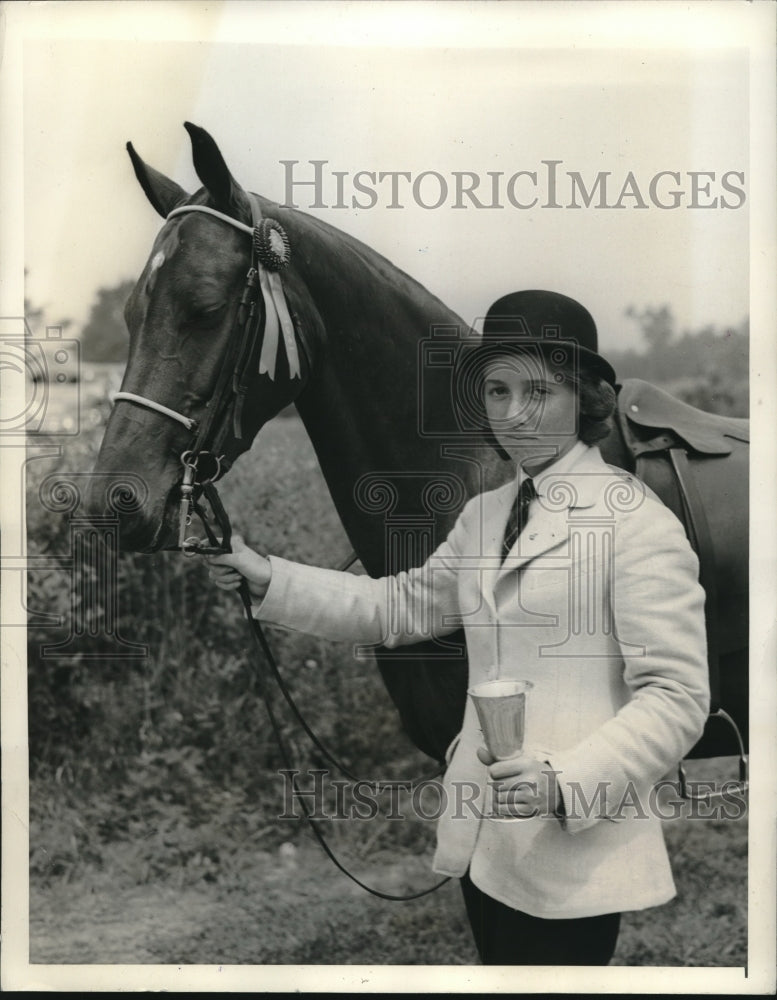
(596, 403)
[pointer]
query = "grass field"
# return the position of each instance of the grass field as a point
(155, 794)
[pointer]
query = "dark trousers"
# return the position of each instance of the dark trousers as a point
(509, 937)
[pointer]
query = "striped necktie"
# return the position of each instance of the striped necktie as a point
(518, 515)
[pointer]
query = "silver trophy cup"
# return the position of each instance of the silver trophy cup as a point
(501, 708)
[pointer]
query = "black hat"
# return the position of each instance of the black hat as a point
(548, 320)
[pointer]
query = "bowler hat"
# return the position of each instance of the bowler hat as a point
(549, 320)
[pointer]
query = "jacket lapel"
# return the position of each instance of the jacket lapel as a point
(544, 530)
(559, 493)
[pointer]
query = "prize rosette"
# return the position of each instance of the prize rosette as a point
(271, 245)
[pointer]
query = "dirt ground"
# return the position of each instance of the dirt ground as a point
(291, 906)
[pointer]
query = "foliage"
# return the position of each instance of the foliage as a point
(162, 737)
(707, 368)
(104, 337)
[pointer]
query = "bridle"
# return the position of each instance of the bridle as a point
(262, 319)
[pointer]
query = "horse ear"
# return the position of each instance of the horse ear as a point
(163, 193)
(228, 195)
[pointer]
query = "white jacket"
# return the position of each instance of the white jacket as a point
(599, 605)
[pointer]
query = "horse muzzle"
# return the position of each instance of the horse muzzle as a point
(146, 524)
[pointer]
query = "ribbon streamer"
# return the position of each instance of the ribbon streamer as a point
(289, 338)
(268, 357)
(277, 319)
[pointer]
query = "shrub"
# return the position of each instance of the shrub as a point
(138, 746)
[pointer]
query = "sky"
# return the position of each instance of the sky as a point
(483, 89)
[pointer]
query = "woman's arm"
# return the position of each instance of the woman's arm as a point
(410, 606)
(658, 615)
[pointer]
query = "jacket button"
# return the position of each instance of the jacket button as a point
(634, 408)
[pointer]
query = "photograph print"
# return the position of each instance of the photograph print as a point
(380, 499)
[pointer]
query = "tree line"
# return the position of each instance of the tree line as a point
(706, 367)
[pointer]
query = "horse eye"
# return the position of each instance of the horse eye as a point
(207, 312)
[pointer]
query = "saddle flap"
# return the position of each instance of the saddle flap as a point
(648, 406)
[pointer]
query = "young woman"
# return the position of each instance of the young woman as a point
(573, 577)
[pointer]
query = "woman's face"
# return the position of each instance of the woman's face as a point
(532, 409)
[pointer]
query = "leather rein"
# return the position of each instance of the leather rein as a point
(262, 319)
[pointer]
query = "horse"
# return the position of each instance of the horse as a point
(366, 355)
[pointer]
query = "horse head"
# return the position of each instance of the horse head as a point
(202, 376)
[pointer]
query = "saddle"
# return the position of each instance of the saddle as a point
(648, 409)
(660, 431)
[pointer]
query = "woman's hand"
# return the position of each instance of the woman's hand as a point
(229, 570)
(523, 787)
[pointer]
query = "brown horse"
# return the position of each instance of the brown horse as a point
(375, 354)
